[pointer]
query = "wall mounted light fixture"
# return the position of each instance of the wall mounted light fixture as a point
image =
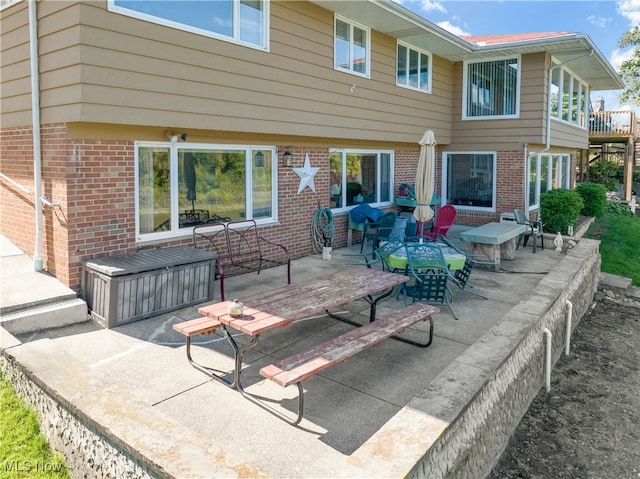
(258, 159)
(287, 159)
(174, 137)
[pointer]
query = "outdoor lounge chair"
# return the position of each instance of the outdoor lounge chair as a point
(444, 221)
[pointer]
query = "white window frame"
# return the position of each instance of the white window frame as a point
(343, 186)
(553, 159)
(7, 3)
(445, 192)
(466, 85)
(352, 24)
(234, 38)
(581, 116)
(175, 231)
(420, 88)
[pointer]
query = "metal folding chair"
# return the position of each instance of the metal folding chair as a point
(428, 269)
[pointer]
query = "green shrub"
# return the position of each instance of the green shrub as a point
(618, 209)
(594, 197)
(559, 208)
(605, 172)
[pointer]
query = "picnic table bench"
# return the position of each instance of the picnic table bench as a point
(280, 307)
(239, 249)
(496, 241)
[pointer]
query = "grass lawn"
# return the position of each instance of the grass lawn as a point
(24, 452)
(619, 245)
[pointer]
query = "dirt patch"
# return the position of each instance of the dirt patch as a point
(588, 425)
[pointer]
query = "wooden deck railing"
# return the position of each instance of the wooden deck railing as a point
(612, 123)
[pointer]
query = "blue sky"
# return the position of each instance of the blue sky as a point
(604, 21)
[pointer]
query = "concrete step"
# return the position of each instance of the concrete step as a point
(47, 316)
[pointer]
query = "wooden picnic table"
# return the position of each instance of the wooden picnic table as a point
(282, 306)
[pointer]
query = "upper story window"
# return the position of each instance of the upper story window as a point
(239, 21)
(568, 95)
(413, 68)
(491, 89)
(360, 176)
(180, 185)
(352, 48)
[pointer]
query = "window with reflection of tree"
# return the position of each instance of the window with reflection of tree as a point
(360, 177)
(212, 185)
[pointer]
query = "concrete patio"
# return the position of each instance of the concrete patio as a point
(124, 402)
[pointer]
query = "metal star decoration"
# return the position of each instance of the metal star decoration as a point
(306, 174)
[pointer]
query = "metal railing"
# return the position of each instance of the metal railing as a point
(46, 200)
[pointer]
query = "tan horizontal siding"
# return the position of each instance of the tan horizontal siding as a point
(141, 73)
(15, 80)
(528, 128)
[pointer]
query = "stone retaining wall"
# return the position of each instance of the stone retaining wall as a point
(88, 453)
(484, 418)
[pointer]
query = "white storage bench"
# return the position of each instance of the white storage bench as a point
(128, 287)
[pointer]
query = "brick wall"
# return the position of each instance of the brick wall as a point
(93, 182)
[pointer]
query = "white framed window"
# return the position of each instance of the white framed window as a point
(547, 172)
(245, 22)
(468, 180)
(352, 47)
(5, 3)
(360, 176)
(568, 97)
(413, 68)
(180, 185)
(491, 89)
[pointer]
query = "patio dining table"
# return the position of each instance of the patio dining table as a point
(455, 260)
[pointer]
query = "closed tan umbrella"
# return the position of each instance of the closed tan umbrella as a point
(425, 177)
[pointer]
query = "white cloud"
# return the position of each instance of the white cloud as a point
(600, 22)
(431, 5)
(630, 9)
(618, 57)
(447, 25)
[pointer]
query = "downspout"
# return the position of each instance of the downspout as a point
(35, 116)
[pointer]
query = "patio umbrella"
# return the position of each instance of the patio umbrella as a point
(189, 171)
(425, 177)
